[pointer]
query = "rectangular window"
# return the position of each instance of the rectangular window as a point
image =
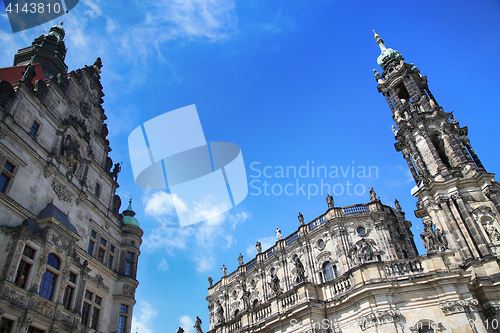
(68, 295)
(72, 278)
(123, 308)
(95, 318)
(130, 255)
(88, 295)
(128, 268)
(112, 248)
(29, 252)
(22, 274)
(103, 242)
(122, 323)
(110, 261)
(5, 325)
(34, 330)
(5, 176)
(34, 128)
(98, 300)
(90, 250)
(85, 314)
(100, 254)
(9, 167)
(92, 234)
(97, 190)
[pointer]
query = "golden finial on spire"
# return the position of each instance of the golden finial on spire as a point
(376, 36)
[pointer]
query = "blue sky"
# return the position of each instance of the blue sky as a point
(290, 82)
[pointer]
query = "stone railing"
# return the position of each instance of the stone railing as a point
(251, 264)
(269, 252)
(262, 312)
(403, 267)
(355, 209)
(293, 237)
(341, 285)
(317, 222)
(289, 300)
(234, 325)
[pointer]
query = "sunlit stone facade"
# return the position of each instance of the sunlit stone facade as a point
(358, 269)
(68, 258)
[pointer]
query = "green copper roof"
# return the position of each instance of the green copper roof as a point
(128, 216)
(386, 54)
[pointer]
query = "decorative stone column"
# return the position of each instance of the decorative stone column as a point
(472, 153)
(421, 168)
(458, 232)
(442, 169)
(406, 155)
(492, 193)
(476, 235)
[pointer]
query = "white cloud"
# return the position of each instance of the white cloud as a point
(187, 324)
(198, 240)
(144, 314)
(267, 242)
(163, 266)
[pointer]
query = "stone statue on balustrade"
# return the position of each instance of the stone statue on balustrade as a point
(373, 195)
(210, 282)
(224, 270)
(329, 200)
(278, 234)
(258, 246)
(398, 206)
(301, 218)
(197, 325)
(240, 260)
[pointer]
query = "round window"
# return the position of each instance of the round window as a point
(321, 244)
(361, 231)
(235, 294)
(253, 284)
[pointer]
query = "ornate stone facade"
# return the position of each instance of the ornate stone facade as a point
(68, 258)
(360, 270)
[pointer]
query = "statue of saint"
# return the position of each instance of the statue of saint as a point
(220, 311)
(373, 195)
(224, 270)
(428, 237)
(443, 243)
(278, 234)
(197, 325)
(275, 284)
(210, 281)
(398, 206)
(329, 200)
(301, 272)
(240, 260)
(394, 130)
(301, 218)
(258, 246)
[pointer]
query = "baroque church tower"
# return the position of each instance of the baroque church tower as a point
(457, 199)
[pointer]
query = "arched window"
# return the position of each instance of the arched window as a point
(49, 278)
(255, 303)
(329, 271)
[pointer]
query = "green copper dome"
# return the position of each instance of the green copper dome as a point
(386, 54)
(128, 216)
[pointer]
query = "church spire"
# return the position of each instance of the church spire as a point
(452, 185)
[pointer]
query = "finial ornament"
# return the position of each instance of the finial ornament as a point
(376, 35)
(62, 22)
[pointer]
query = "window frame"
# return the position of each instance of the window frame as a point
(55, 272)
(8, 175)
